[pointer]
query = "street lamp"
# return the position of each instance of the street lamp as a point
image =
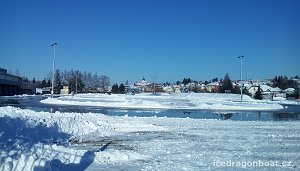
(53, 66)
(241, 70)
(76, 81)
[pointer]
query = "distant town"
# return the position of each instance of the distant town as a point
(72, 82)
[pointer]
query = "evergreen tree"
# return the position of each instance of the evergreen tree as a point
(43, 84)
(227, 83)
(258, 94)
(115, 89)
(48, 83)
(283, 82)
(57, 82)
(215, 80)
(186, 81)
(122, 89)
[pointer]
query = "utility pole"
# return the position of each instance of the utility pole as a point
(241, 72)
(53, 67)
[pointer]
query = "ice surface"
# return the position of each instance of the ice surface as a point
(88, 141)
(167, 101)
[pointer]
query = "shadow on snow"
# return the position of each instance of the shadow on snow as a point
(16, 132)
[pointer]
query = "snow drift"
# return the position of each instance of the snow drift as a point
(193, 101)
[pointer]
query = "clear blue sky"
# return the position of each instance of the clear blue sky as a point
(163, 40)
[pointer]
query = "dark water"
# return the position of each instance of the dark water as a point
(289, 113)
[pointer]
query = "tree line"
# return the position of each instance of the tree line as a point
(77, 81)
(225, 83)
(118, 89)
(283, 82)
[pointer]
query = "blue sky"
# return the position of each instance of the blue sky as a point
(163, 40)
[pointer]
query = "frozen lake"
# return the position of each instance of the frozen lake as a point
(289, 113)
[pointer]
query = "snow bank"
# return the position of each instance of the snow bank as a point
(31, 139)
(89, 141)
(166, 101)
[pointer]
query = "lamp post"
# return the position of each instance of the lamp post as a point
(76, 81)
(241, 72)
(53, 67)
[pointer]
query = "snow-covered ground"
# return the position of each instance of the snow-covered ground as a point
(196, 101)
(32, 140)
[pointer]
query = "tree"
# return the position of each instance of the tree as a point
(104, 81)
(57, 82)
(25, 79)
(215, 80)
(258, 94)
(283, 82)
(115, 89)
(122, 88)
(75, 80)
(48, 83)
(86, 82)
(227, 83)
(186, 81)
(43, 84)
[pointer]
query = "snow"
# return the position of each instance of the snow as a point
(32, 140)
(195, 101)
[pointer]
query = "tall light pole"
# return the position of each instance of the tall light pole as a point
(241, 70)
(76, 81)
(53, 67)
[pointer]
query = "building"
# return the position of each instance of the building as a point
(45, 90)
(28, 88)
(9, 84)
(253, 89)
(168, 89)
(213, 87)
(267, 91)
(144, 86)
(64, 90)
(132, 89)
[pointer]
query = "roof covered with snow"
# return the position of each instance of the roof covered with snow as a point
(266, 88)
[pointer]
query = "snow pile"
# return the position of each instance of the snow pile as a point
(32, 138)
(166, 101)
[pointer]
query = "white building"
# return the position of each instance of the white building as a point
(213, 87)
(142, 83)
(267, 91)
(168, 89)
